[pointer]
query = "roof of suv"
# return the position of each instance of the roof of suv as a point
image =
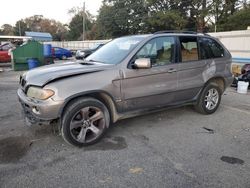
(180, 32)
(170, 32)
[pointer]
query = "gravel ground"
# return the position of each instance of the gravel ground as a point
(173, 148)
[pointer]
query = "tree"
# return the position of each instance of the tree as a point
(109, 23)
(144, 16)
(76, 24)
(166, 15)
(122, 17)
(21, 27)
(38, 23)
(140, 16)
(7, 29)
(242, 16)
(170, 20)
(56, 29)
(221, 10)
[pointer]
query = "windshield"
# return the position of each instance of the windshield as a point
(116, 50)
(95, 46)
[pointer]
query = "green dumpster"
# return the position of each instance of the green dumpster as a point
(31, 49)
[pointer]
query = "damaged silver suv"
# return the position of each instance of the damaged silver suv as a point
(128, 76)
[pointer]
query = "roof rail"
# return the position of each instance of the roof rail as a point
(176, 31)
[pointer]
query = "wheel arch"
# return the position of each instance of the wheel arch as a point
(102, 96)
(219, 80)
(199, 105)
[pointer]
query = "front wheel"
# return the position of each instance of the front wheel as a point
(209, 99)
(84, 122)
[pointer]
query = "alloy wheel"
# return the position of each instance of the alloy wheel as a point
(211, 99)
(87, 124)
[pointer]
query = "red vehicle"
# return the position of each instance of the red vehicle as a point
(4, 56)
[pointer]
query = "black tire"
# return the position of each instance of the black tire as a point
(201, 105)
(73, 110)
(64, 57)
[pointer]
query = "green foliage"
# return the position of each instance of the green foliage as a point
(106, 24)
(7, 29)
(76, 24)
(20, 27)
(121, 17)
(125, 17)
(238, 21)
(36, 23)
(171, 20)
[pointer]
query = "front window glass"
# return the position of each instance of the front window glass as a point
(160, 51)
(95, 46)
(189, 50)
(115, 51)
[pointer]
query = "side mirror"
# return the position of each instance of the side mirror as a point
(142, 63)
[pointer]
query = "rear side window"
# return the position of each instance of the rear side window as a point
(189, 49)
(209, 49)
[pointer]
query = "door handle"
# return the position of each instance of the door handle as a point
(172, 70)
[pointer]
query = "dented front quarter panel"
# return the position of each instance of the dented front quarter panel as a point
(43, 75)
(107, 81)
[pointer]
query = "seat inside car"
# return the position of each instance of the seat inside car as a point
(189, 55)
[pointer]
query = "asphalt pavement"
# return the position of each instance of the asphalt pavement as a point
(172, 148)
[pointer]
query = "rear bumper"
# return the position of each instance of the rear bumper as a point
(37, 111)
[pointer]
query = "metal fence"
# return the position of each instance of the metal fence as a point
(237, 42)
(76, 45)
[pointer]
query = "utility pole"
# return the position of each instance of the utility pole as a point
(19, 25)
(83, 21)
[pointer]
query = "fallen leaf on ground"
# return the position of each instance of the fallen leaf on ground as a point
(135, 170)
(106, 180)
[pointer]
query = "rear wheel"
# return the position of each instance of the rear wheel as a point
(84, 122)
(64, 57)
(209, 99)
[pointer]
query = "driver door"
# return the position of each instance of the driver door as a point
(155, 86)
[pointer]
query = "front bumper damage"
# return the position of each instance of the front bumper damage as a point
(37, 112)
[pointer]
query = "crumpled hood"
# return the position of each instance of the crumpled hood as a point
(43, 75)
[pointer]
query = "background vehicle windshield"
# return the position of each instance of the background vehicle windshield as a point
(115, 51)
(95, 46)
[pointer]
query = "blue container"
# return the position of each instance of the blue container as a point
(32, 63)
(47, 50)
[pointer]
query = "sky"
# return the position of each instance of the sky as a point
(14, 10)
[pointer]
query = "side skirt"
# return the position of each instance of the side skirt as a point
(135, 113)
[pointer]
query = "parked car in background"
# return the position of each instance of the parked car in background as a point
(4, 52)
(81, 54)
(61, 53)
(128, 76)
